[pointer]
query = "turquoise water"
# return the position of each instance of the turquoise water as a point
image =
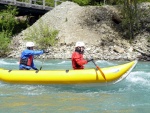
(132, 95)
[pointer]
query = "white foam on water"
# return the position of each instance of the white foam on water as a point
(47, 64)
(140, 78)
(42, 62)
(31, 90)
(2, 84)
(3, 62)
(105, 62)
(64, 62)
(51, 63)
(31, 87)
(60, 63)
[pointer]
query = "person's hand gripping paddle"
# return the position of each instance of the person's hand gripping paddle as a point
(96, 65)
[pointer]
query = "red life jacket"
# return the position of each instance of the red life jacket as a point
(27, 61)
(78, 61)
(30, 59)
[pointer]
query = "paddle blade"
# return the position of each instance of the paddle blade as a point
(101, 72)
(40, 67)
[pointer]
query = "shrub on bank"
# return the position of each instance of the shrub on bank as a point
(4, 41)
(7, 25)
(42, 35)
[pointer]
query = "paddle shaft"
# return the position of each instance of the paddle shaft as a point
(42, 63)
(98, 68)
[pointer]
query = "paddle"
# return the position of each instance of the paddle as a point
(99, 70)
(44, 51)
(97, 66)
(42, 63)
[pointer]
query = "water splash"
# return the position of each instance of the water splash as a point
(6, 62)
(139, 78)
(106, 63)
(64, 62)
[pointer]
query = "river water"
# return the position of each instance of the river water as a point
(131, 95)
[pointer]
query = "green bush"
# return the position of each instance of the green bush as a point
(7, 19)
(40, 2)
(133, 19)
(4, 41)
(82, 2)
(7, 24)
(50, 3)
(143, 0)
(21, 25)
(42, 35)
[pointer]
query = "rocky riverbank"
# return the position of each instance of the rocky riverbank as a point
(93, 25)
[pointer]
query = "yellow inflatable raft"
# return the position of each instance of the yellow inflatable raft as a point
(113, 74)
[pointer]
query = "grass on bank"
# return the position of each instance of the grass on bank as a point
(42, 34)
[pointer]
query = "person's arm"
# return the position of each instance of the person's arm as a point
(79, 60)
(23, 66)
(37, 52)
(33, 66)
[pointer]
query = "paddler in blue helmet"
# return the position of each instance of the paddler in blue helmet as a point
(26, 59)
